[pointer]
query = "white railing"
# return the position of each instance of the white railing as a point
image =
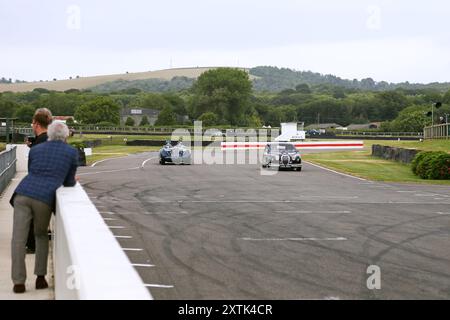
(441, 131)
(8, 162)
(379, 134)
(89, 263)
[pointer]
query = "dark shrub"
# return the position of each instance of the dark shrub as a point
(439, 167)
(432, 165)
(78, 144)
(418, 159)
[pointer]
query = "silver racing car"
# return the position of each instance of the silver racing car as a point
(176, 153)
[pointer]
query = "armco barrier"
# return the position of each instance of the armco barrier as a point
(7, 167)
(89, 263)
(317, 145)
(160, 143)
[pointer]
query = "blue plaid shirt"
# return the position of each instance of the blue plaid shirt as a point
(50, 165)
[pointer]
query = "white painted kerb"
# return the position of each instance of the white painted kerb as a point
(89, 262)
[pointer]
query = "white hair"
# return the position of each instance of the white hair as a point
(57, 131)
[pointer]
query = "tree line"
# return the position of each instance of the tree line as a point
(10, 80)
(226, 97)
(270, 79)
(273, 79)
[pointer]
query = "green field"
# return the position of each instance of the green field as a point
(427, 145)
(362, 164)
(107, 152)
(120, 139)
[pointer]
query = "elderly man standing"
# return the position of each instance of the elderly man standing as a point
(50, 165)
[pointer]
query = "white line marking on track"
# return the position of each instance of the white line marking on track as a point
(165, 212)
(132, 249)
(143, 265)
(123, 237)
(340, 173)
(306, 211)
(145, 162)
(271, 201)
(158, 286)
(107, 212)
(100, 161)
(109, 171)
(292, 201)
(295, 239)
(109, 219)
(116, 227)
(404, 202)
(443, 213)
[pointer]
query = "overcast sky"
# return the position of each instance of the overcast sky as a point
(391, 40)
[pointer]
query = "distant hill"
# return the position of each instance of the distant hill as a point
(177, 83)
(275, 79)
(81, 83)
(148, 85)
(265, 78)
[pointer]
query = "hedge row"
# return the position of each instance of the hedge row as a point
(432, 165)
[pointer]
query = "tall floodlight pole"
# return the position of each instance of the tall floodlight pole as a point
(432, 115)
(7, 131)
(437, 105)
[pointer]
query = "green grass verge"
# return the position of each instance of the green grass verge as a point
(427, 145)
(108, 152)
(362, 164)
(119, 139)
(2, 147)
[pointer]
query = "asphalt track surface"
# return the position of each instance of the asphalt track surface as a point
(228, 232)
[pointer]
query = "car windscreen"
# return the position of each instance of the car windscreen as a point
(284, 147)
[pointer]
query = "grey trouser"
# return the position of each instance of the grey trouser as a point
(25, 209)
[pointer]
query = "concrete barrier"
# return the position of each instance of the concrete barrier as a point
(89, 263)
(22, 151)
(394, 153)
